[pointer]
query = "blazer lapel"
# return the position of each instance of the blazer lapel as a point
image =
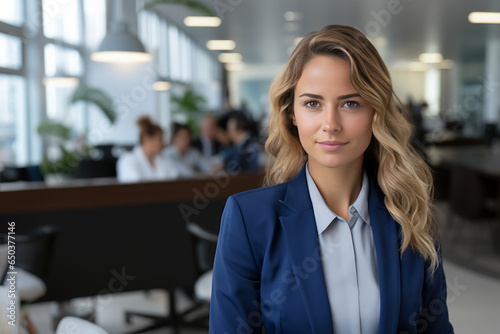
(299, 226)
(385, 236)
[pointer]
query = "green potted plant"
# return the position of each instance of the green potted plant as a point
(191, 105)
(190, 4)
(59, 135)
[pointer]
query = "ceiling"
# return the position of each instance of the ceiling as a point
(263, 36)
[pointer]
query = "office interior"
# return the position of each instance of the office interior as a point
(135, 257)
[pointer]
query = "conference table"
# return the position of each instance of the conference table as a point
(480, 158)
(483, 159)
(137, 230)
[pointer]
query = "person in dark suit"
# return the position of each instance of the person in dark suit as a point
(207, 142)
(343, 238)
(243, 155)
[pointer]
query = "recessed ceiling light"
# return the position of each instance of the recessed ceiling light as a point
(230, 57)
(430, 58)
(293, 16)
(484, 17)
(202, 21)
(234, 67)
(221, 45)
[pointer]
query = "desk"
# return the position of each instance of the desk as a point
(120, 237)
(481, 159)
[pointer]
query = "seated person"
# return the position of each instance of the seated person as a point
(187, 160)
(145, 162)
(243, 155)
(207, 142)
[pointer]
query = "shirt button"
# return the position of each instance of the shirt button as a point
(352, 209)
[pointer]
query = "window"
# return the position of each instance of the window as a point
(62, 21)
(12, 12)
(13, 122)
(61, 59)
(173, 52)
(70, 28)
(14, 147)
(95, 22)
(63, 55)
(10, 52)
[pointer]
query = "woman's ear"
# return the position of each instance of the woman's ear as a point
(293, 120)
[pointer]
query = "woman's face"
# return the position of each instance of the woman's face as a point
(154, 142)
(182, 140)
(333, 121)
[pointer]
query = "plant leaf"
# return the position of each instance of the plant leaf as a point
(190, 4)
(55, 129)
(95, 96)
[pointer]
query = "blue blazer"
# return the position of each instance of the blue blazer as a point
(268, 271)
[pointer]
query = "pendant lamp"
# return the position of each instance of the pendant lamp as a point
(120, 45)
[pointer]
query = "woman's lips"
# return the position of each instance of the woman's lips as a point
(331, 145)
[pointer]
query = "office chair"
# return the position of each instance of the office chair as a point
(15, 174)
(204, 243)
(74, 325)
(33, 253)
(467, 197)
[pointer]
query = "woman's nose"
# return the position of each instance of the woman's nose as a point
(331, 120)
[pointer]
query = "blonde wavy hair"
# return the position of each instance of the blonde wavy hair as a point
(402, 175)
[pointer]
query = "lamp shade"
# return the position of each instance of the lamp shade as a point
(61, 79)
(120, 46)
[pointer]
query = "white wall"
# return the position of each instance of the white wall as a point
(130, 87)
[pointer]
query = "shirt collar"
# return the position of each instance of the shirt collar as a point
(322, 213)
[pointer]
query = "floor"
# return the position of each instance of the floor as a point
(473, 291)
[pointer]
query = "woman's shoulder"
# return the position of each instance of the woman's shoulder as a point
(260, 197)
(128, 157)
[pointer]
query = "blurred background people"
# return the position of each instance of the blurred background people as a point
(207, 142)
(243, 155)
(187, 160)
(146, 162)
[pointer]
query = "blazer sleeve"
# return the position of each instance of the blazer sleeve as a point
(234, 305)
(434, 315)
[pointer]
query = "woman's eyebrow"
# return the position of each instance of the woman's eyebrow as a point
(314, 96)
(348, 96)
(341, 97)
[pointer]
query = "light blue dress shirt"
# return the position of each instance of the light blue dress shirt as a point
(349, 262)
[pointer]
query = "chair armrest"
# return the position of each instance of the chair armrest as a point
(199, 232)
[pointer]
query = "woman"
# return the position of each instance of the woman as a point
(344, 240)
(188, 161)
(145, 163)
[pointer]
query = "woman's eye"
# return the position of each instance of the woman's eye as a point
(351, 104)
(312, 104)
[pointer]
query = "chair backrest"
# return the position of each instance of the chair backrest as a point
(204, 244)
(3, 259)
(89, 168)
(467, 192)
(34, 250)
(73, 325)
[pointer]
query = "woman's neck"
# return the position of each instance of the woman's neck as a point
(339, 186)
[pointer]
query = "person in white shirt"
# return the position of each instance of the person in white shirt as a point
(188, 161)
(145, 162)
